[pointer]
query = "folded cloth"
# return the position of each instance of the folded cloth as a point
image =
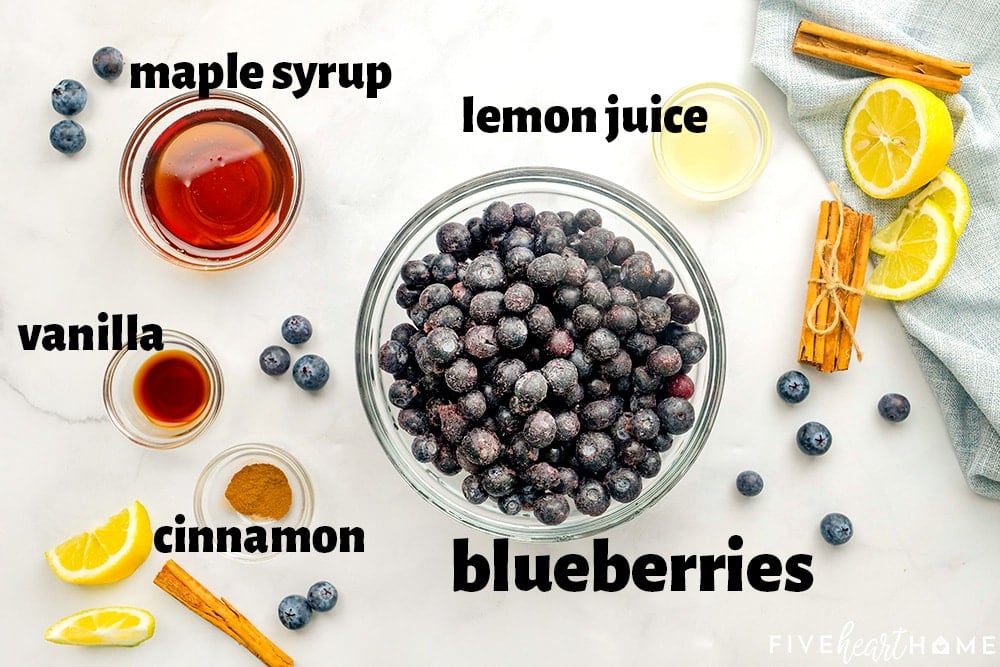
(955, 328)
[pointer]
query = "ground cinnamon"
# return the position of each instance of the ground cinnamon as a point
(260, 491)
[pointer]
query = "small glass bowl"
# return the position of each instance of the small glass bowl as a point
(153, 233)
(213, 510)
(544, 188)
(119, 395)
(718, 154)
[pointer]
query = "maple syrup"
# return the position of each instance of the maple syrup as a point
(218, 179)
(171, 388)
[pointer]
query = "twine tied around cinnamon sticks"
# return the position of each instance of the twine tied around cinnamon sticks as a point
(835, 286)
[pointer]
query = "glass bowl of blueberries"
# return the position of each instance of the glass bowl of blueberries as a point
(540, 354)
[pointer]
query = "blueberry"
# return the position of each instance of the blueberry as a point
(67, 137)
(512, 332)
(599, 415)
(296, 329)
(749, 483)
(532, 387)
(638, 272)
(692, 346)
(587, 218)
(654, 316)
(443, 345)
(560, 344)
(650, 465)
(567, 425)
(294, 612)
(498, 481)
(595, 243)
(69, 97)
(683, 308)
(663, 282)
(676, 415)
(454, 238)
(517, 260)
(434, 296)
(645, 425)
(624, 484)
(481, 446)
(569, 480)
(793, 387)
(462, 376)
(560, 374)
(621, 319)
(481, 341)
(449, 316)
(473, 491)
(540, 429)
(393, 356)
(894, 407)
(540, 320)
(415, 273)
(519, 297)
(484, 273)
(543, 476)
(594, 451)
(486, 306)
(679, 386)
(551, 509)
(498, 217)
(664, 361)
(836, 528)
(524, 214)
(510, 504)
(814, 438)
(444, 268)
(602, 344)
(591, 498)
(550, 239)
(108, 63)
(472, 405)
(424, 448)
(275, 360)
(311, 372)
(621, 249)
(547, 270)
(322, 596)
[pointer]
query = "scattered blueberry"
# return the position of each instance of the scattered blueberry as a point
(322, 596)
(275, 360)
(793, 387)
(67, 137)
(294, 612)
(894, 407)
(836, 528)
(814, 438)
(296, 329)
(108, 63)
(311, 372)
(69, 97)
(749, 483)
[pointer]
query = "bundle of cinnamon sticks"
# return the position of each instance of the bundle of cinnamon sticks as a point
(835, 288)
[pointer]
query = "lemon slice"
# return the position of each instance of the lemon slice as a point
(105, 554)
(897, 138)
(918, 258)
(948, 191)
(106, 626)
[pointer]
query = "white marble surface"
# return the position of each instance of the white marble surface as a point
(923, 560)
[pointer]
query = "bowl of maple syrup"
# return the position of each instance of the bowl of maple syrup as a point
(163, 398)
(211, 183)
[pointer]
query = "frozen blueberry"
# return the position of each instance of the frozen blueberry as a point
(692, 346)
(69, 97)
(275, 360)
(567, 425)
(415, 273)
(595, 243)
(550, 239)
(485, 272)
(547, 270)
(654, 316)
(599, 415)
(486, 306)
(512, 332)
(814, 438)
(517, 260)
(311, 372)
(638, 272)
(663, 282)
(561, 374)
(401, 392)
(543, 476)
(481, 341)
(894, 407)
(602, 344)
(594, 451)
(461, 376)
(683, 308)
(621, 319)
(621, 250)
(424, 448)
(587, 318)
(679, 386)
(443, 345)
(524, 214)
(793, 387)
(67, 137)
(664, 361)
(519, 297)
(481, 446)
(322, 596)
(444, 268)
(472, 405)
(560, 344)
(510, 504)
(108, 63)
(587, 218)
(506, 375)
(532, 387)
(676, 415)
(836, 528)
(498, 217)
(294, 612)
(296, 329)
(393, 356)
(540, 429)
(650, 464)
(551, 509)
(591, 498)
(473, 491)
(645, 424)
(749, 483)
(454, 238)
(639, 344)
(624, 484)
(498, 480)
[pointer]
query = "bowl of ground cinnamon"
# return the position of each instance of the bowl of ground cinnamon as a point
(248, 491)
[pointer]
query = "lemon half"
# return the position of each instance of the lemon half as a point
(897, 138)
(918, 258)
(106, 626)
(107, 553)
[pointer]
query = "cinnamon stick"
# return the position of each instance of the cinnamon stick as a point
(872, 55)
(833, 294)
(192, 594)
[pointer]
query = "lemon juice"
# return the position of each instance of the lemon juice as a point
(726, 158)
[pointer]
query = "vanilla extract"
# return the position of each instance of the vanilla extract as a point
(112, 332)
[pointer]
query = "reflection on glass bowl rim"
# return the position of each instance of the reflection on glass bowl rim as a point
(553, 189)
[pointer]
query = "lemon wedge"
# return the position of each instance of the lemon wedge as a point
(897, 138)
(948, 191)
(918, 258)
(107, 553)
(106, 626)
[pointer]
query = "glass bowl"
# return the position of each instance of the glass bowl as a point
(210, 146)
(556, 190)
(213, 510)
(725, 159)
(120, 394)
